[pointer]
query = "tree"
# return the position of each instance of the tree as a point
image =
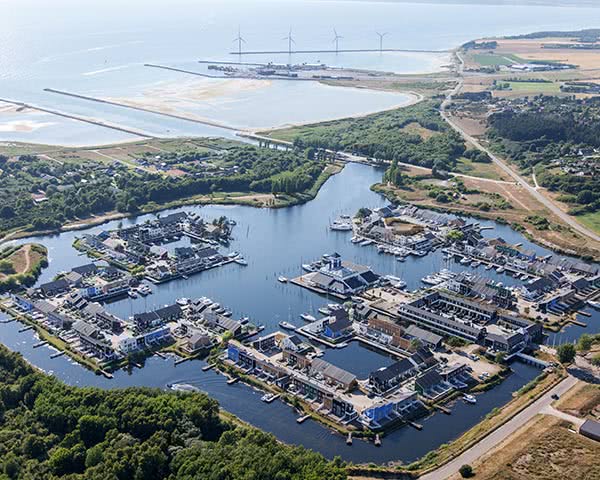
(585, 342)
(455, 236)
(566, 353)
(500, 357)
(466, 471)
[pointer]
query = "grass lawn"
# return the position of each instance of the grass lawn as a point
(492, 60)
(544, 450)
(590, 220)
(535, 87)
(475, 169)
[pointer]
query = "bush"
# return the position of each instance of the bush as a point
(466, 471)
(566, 353)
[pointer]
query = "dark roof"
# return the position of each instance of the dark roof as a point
(353, 283)
(342, 321)
(429, 379)
(329, 370)
(422, 334)
(173, 218)
(206, 252)
(56, 285)
(369, 276)
(169, 311)
(87, 269)
(184, 252)
(392, 371)
(591, 429)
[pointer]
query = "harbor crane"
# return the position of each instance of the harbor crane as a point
(290, 40)
(336, 39)
(381, 35)
(239, 40)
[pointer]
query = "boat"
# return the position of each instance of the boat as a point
(476, 263)
(340, 227)
(282, 279)
(227, 313)
(420, 253)
(287, 326)
(489, 266)
(241, 261)
(244, 320)
(182, 387)
(234, 254)
(431, 280)
(324, 311)
(334, 306)
(132, 294)
(182, 301)
(307, 267)
(144, 289)
(401, 259)
(395, 281)
(500, 269)
(215, 306)
(593, 304)
(356, 239)
(366, 242)
(469, 398)
(465, 261)
(307, 317)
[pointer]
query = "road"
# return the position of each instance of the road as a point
(540, 197)
(502, 433)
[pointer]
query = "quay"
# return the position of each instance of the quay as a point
(78, 118)
(40, 344)
(141, 109)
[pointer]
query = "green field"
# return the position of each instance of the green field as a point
(492, 60)
(474, 169)
(534, 87)
(591, 220)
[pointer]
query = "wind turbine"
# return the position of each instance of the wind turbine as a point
(336, 39)
(381, 35)
(290, 40)
(239, 39)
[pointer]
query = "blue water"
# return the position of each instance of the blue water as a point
(101, 49)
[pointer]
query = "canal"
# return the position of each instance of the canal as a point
(277, 242)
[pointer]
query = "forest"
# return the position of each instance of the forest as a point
(390, 136)
(38, 194)
(49, 430)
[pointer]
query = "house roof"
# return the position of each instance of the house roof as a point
(86, 269)
(392, 371)
(429, 379)
(424, 335)
(329, 370)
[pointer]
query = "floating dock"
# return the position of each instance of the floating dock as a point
(377, 441)
(302, 419)
(349, 439)
(233, 380)
(208, 367)
(40, 344)
(57, 354)
(25, 329)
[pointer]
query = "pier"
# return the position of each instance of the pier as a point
(141, 109)
(377, 441)
(208, 367)
(340, 50)
(78, 118)
(25, 329)
(40, 344)
(443, 409)
(57, 354)
(302, 419)
(233, 380)
(349, 439)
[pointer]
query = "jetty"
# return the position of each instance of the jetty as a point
(340, 50)
(78, 118)
(181, 360)
(233, 380)
(349, 439)
(303, 418)
(143, 109)
(415, 425)
(443, 409)
(57, 354)
(25, 329)
(40, 344)
(377, 441)
(208, 367)
(161, 355)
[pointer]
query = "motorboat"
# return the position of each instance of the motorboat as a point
(469, 398)
(132, 294)
(282, 279)
(500, 269)
(307, 317)
(324, 311)
(241, 261)
(593, 304)
(465, 261)
(307, 267)
(182, 301)
(287, 326)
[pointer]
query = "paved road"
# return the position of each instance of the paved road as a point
(500, 434)
(540, 197)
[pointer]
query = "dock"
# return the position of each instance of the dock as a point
(377, 441)
(208, 367)
(302, 419)
(579, 323)
(8, 320)
(161, 355)
(181, 360)
(107, 374)
(272, 398)
(349, 439)
(25, 329)
(415, 425)
(585, 314)
(443, 409)
(40, 344)
(233, 380)
(57, 354)
(340, 50)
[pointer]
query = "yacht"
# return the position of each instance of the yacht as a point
(324, 311)
(465, 261)
(469, 398)
(366, 242)
(593, 304)
(287, 326)
(234, 254)
(282, 279)
(307, 317)
(132, 294)
(500, 269)
(144, 290)
(307, 267)
(476, 263)
(400, 259)
(489, 266)
(356, 239)
(343, 223)
(241, 261)
(182, 301)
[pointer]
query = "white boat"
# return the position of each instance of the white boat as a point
(234, 254)
(395, 281)
(400, 259)
(182, 301)
(356, 239)
(241, 261)
(334, 306)
(366, 242)
(324, 311)
(282, 279)
(307, 317)
(469, 398)
(307, 267)
(132, 294)
(593, 304)
(227, 313)
(183, 387)
(341, 227)
(476, 263)
(500, 269)
(489, 266)
(144, 290)
(465, 261)
(431, 280)
(287, 326)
